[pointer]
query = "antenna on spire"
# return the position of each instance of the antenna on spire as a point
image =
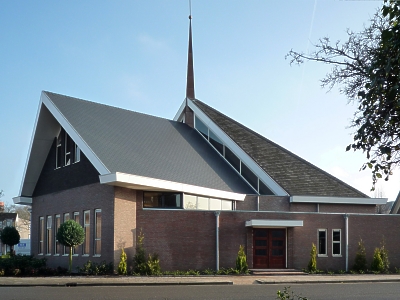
(190, 69)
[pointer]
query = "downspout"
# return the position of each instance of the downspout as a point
(216, 213)
(258, 203)
(346, 218)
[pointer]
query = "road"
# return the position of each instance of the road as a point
(363, 291)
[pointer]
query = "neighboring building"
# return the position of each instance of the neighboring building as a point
(6, 220)
(197, 187)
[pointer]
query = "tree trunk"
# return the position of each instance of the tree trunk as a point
(70, 259)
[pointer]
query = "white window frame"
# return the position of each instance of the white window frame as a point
(77, 156)
(67, 151)
(49, 233)
(75, 250)
(96, 237)
(326, 243)
(57, 219)
(337, 242)
(41, 236)
(58, 144)
(86, 243)
(66, 217)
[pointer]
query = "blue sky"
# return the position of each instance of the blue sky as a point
(132, 54)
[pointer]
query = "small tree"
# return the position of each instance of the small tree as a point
(241, 261)
(377, 262)
(312, 264)
(143, 266)
(70, 234)
(10, 236)
(360, 263)
(384, 256)
(122, 267)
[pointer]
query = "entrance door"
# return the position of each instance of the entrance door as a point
(269, 248)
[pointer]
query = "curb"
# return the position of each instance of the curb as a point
(76, 284)
(326, 281)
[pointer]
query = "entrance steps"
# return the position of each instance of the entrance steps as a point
(276, 272)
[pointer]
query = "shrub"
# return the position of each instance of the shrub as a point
(241, 261)
(377, 262)
(288, 295)
(10, 236)
(70, 234)
(122, 267)
(143, 266)
(360, 263)
(92, 268)
(312, 264)
(384, 256)
(21, 265)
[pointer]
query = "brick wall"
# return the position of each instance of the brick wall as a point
(90, 197)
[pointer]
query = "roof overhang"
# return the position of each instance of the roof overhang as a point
(337, 200)
(146, 183)
(22, 200)
(274, 223)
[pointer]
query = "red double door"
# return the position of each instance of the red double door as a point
(269, 248)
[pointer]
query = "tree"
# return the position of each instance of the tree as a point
(360, 262)
(366, 68)
(241, 261)
(10, 236)
(24, 215)
(312, 264)
(70, 234)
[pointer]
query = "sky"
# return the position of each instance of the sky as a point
(133, 54)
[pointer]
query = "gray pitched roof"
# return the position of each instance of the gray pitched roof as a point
(292, 173)
(144, 145)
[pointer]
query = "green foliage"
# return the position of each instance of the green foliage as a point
(360, 263)
(312, 264)
(143, 266)
(288, 295)
(70, 234)
(10, 236)
(92, 268)
(22, 265)
(241, 261)
(377, 262)
(122, 266)
(384, 256)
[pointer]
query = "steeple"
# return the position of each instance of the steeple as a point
(190, 71)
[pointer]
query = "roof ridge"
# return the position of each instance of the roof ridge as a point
(281, 148)
(106, 105)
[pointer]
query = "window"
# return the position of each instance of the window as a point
(68, 143)
(86, 227)
(201, 127)
(41, 235)
(57, 223)
(49, 235)
(216, 142)
(97, 232)
(75, 250)
(263, 189)
(77, 157)
(232, 159)
(336, 242)
(322, 251)
(59, 151)
(162, 200)
(249, 176)
(66, 218)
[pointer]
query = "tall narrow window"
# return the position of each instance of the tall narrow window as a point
(86, 244)
(75, 250)
(49, 235)
(57, 223)
(336, 242)
(41, 235)
(77, 156)
(59, 151)
(322, 242)
(97, 232)
(201, 127)
(68, 143)
(66, 218)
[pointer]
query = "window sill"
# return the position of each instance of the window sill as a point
(56, 255)
(65, 255)
(75, 254)
(337, 255)
(85, 255)
(322, 255)
(97, 255)
(48, 254)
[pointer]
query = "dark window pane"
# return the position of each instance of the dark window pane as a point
(321, 242)
(261, 233)
(277, 252)
(162, 200)
(261, 252)
(152, 199)
(216, 142)
(249, 176)
(232, 159)
(336, 248)
(172, 200)
(278, 233)
(336, 236)
(263, 189)
(261, 242)
(277, 243)
(201, 127)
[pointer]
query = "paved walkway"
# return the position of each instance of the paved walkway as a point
(191, 280)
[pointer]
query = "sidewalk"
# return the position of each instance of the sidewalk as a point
(191, 280)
